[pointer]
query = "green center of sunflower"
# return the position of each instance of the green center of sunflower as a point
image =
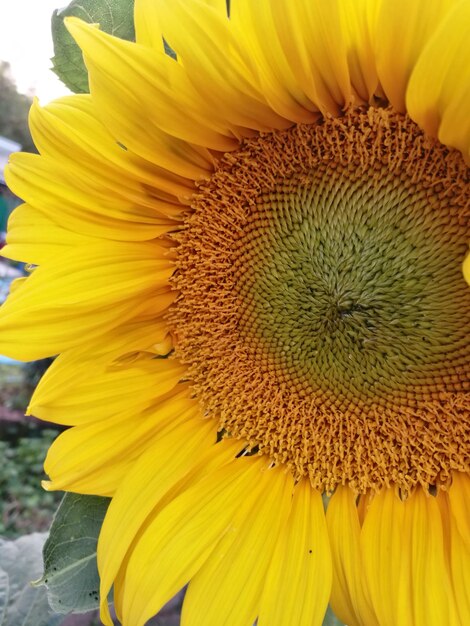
(322, 311)
(353, 289)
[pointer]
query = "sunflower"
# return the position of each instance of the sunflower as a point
(248, 259)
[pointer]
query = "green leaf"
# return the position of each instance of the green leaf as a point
(115, 17)
(20, 603)
(70, 570)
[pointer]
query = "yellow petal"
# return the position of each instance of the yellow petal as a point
(103, 393)
(382, 543)
(218, 5)
(227, 589)
(148, 27)
(214, 458)
(356, 20)
(75, 366)
(101, 286)
(456, 520)
(259, 25)
(142, 334)
(298, 581)
(148, 31)
(304, 50)
(34, 238)
(438, 96)
(428, 573)
(459, 495)
(412, 24)
(94, 458)
(83, 203)
(403, 545)
(350, 598)
(179, 448)
(68, 130)
(174, 546)
(156, 79)
(219, 65)
(460, 574)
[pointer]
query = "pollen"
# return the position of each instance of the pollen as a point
(322, 312)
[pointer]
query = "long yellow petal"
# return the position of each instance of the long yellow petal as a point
(412, 24)
(438, 96)
(219, 65)
(148, 26)
(403, 545)
(114, 64)
(356, 19)
(95, 457)
(99, 285)
(459, 494)
(74, 368)
(34, 238)
(382, 544)
(175, 545)
(456, 519)
(146, 333)
(298, 581)
(148, 31)
(227, 589)
(350, 598)
(261, 25)
(103, 393)
(85, 202)
(219, 5)
(423, 522)
(68, 130)
(214, 458)
(304, 52)
(460, 573)
(179, 448)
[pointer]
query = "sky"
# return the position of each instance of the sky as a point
(26, 43)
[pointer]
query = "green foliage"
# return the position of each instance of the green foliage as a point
(14, 109)
(14, 394)
(114, 16)
(24, 505)
(17, 383)
(20, 602)
(70, 569)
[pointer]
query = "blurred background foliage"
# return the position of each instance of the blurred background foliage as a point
(14, 108)
(24, 506)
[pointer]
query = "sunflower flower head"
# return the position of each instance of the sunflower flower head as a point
(250, 264)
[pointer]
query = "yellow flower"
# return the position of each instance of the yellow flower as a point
(250, 264)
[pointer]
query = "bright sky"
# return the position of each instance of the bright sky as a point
(26, 43)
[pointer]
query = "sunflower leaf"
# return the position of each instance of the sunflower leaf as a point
(20, 602)
(115, 17)
(70, 569)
